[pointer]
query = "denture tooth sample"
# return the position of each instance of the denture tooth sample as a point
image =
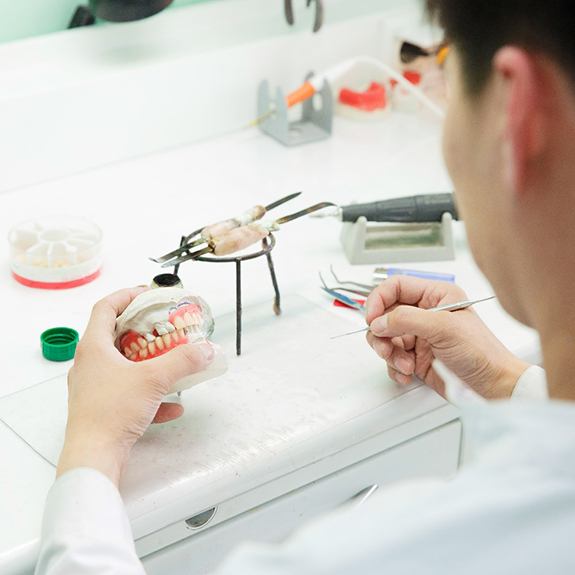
(161, 319)
(158, 320)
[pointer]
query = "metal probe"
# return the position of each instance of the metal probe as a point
(445, 307)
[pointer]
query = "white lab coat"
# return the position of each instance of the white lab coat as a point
(511, 511)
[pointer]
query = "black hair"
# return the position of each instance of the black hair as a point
(478, 28)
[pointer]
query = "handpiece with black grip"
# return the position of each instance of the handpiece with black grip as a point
(411, 209)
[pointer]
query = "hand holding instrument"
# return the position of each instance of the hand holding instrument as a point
(445, 307)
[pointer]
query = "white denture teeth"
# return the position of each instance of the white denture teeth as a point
(179, 323)
(160, 329)
(159, 320)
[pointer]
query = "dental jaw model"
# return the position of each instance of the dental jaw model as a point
(162, 319)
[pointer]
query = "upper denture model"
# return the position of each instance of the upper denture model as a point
(161, 319)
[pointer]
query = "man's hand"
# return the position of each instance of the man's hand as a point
(111, 400)
(409, 338)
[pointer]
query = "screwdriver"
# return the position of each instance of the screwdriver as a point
(409, 209)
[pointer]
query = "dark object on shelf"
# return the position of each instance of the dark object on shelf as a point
(82, 17)
(116, 11)
(127, 10)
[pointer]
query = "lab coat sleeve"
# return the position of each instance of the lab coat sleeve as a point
(85, 528)
(531, 385)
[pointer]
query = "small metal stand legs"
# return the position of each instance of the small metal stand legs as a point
(268, 245)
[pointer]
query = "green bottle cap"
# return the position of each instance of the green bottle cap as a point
(59, 343)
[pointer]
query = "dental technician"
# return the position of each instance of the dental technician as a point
(508, 145)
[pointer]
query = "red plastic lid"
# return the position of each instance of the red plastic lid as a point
(374, 98)
(56, 285)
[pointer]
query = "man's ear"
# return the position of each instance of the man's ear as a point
(526, 122)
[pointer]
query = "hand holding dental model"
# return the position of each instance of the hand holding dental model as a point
(111, 399)
(409, 338)
(162, 319)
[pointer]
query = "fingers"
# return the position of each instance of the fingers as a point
(397, 358)
(168, 412)
(103, 319)
(411, 291)
(178, 363)
(409, 322)
(398, 377)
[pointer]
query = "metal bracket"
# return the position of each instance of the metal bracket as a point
(315, 124)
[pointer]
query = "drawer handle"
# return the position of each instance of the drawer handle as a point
(362, 496)
(201, 519)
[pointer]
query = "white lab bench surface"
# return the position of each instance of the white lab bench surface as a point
(143, 207)
(301, 423)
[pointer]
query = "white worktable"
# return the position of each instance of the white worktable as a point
(143, 206)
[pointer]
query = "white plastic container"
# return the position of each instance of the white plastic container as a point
(55, 252)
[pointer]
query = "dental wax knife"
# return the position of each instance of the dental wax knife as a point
(241, 237)
(410, 209)
(208, 233)
(445, 307)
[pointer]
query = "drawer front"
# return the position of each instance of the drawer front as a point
(435, 453)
